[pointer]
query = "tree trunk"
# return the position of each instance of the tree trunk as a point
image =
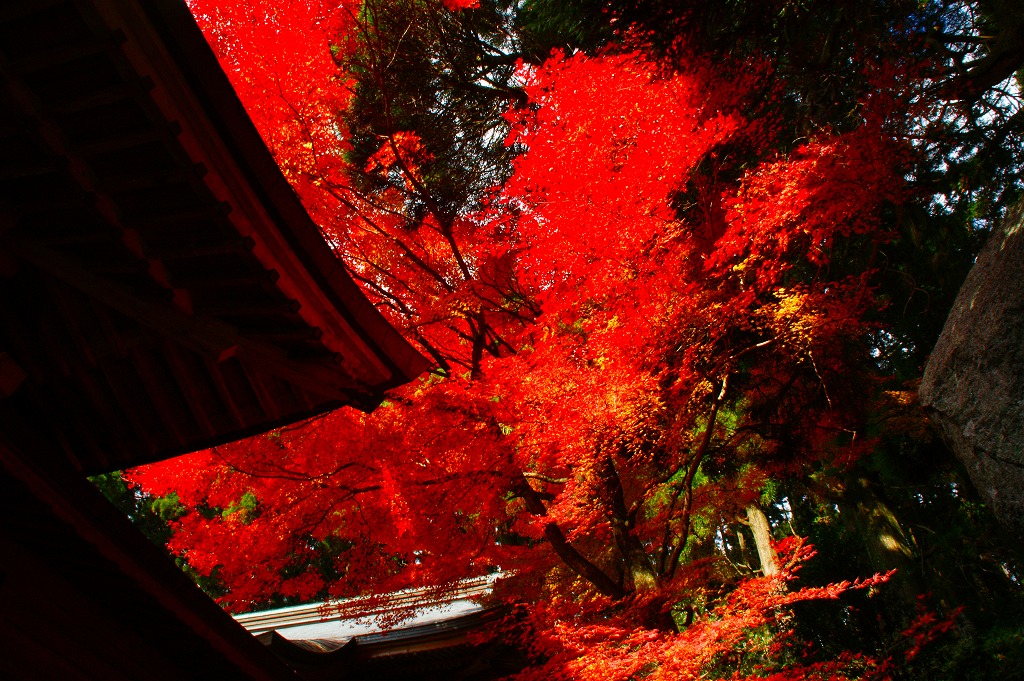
(866, 515)
(762, 532)
(741, 540)
(638, 571)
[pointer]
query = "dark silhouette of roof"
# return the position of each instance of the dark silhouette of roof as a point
(161, 290)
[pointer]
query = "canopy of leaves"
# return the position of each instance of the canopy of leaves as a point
(656, 279)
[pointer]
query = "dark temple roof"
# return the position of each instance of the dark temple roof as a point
(161, 287)
(161, 290)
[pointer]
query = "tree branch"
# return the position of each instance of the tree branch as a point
(670, 566)
(569, 555)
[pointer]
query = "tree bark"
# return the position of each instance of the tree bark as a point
(762, 531)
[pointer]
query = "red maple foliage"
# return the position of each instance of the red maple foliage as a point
(612, 370)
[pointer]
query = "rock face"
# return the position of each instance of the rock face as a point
(973, 383)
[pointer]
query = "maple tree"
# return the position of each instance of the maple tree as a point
(960, 104)
(629, 285)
